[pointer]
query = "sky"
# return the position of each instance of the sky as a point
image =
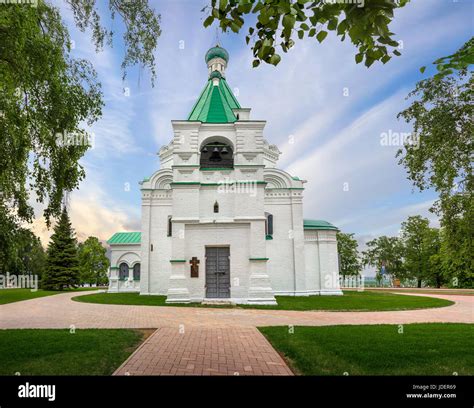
(327, 115)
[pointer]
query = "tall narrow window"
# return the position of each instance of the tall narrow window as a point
(216, 207)
(269, 225)
(170, 227)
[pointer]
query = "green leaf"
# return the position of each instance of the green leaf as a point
(288, 21)
(275, 59)
(423, 69)
(342, 27)
(359, 57)
(321, 36)
(234, 27)
(332, 24)
(369, 61)
(255, 63)
(397, 53)
(300, 34)
(208, 21)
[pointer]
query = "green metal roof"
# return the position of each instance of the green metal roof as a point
(124, 238)
(217, 52)
(318, 225)
(215, 104)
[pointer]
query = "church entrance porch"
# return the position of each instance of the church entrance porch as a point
(217, 272)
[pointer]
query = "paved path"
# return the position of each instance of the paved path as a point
(206, 341)
(59, 311)
(198, 351)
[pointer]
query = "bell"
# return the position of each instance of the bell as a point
(224, 150)
(215, 156)
(204, 150)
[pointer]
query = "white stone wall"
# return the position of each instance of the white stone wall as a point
(321, 256)
(156, 245)
(286, 265)
(234, 236)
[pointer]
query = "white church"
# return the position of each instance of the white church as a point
(220, 222)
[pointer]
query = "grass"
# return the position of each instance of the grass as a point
(59, 352)
(16, 295)
(422, 349)
(351, 301)
(464, 292)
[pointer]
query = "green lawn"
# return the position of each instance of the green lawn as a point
(351, 301)
(59, 352)
(422, 349)
(16, 295)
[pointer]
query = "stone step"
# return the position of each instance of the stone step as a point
(217, 302)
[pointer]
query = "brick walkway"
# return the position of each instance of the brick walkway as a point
(215, 341)
(198, 351)
(59, 311)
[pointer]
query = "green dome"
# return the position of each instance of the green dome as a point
(215, 74)
(217, 52)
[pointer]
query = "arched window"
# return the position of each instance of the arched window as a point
(216, 207)
(217, 155)
(136, 271)
(123, 271)
(268, 225)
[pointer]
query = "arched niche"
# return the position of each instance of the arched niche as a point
(216, 152)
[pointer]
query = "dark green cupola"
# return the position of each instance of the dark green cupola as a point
(217, 52)
(217, 101)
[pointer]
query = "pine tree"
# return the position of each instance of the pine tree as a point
(62, 267)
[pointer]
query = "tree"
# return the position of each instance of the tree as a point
(8, 229)
(432, 245)
(441, 159)
(30, 257)
(421, 243)
(142, 29)
(21, 251)
(458, 61)
(386, 255)
(349, 262)
(62, 265)
(93, 264)
(47, 96)
(366, 27)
